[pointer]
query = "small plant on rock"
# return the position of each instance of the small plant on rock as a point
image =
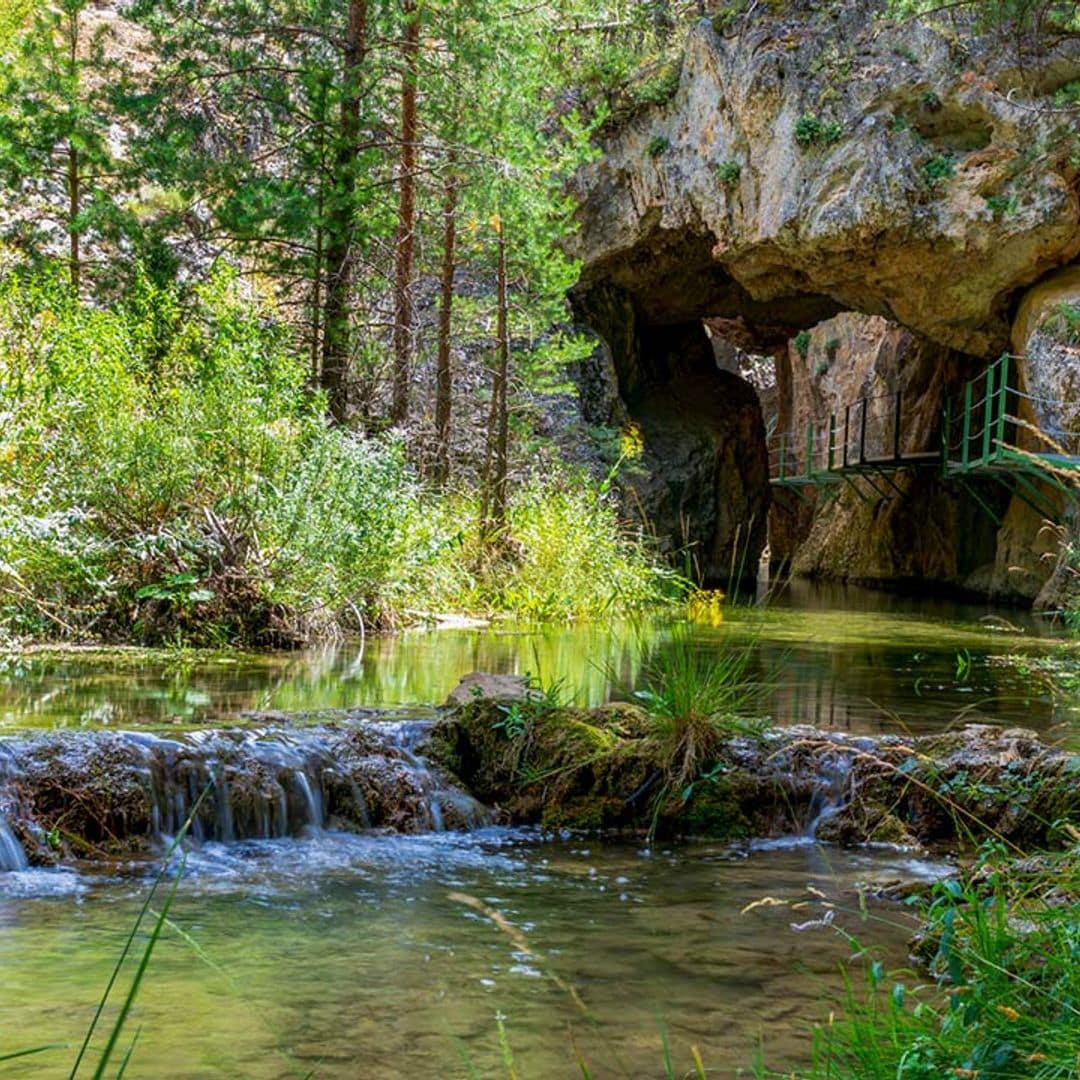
(939, 168)
(811, 130)
(697, 696)
(801, 341)
(657, 146)
(728, 172)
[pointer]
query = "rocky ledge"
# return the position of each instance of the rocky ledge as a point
(604, 768)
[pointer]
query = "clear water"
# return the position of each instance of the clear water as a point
(847, 659)
(378, 956)
(384, 956)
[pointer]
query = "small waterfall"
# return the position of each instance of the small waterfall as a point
(830, 791)
(12, 856)
(115, 789)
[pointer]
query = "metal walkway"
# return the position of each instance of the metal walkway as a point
(981, 435)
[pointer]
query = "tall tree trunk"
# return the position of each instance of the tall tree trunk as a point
(406, 237)
(74, 185)
(340, 222)
(443, 372)
(74, 194)
(493, 510)
(320, 243)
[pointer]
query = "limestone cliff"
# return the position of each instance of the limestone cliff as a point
(816, 160)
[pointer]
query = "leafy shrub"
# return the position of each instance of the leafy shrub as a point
(165, 473)
(801, 341)
(728, 172)
(939, 168)
(810, 130)
(1002, 205)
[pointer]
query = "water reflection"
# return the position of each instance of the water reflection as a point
(848, 659)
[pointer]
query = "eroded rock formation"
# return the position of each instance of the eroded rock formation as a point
(816, 160)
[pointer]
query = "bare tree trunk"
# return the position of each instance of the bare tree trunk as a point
(74, 193)
(443, 372)
(406, 238)
(340, 222)
(320, 242)
(74, 183)
(493, 510)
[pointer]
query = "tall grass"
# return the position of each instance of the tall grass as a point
(697, 697)
(1001, 998)
(167, 474)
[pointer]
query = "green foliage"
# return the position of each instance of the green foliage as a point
(822, 368)
(832, 347)
(1045, 16)
(657, 86)
(1068, 96)
(1003, 947)
(811, 130)
(563, 555)
(166, 472)
(1065, 321)
(658, 145)
(1002, 205)
(801, 341)
(728, 172)
(698, 697)
(938, 169)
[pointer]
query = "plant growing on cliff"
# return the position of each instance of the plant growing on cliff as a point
(657, 146)
(728, 172)
(811, 130)
(801, 341)
(938, 169)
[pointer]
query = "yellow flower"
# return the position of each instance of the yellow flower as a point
(631, 441)
(706, 606)
(1008, 1012)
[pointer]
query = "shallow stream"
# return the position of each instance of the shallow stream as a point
(393, 956)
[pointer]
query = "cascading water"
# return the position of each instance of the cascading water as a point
(12, 855)
(830, 791)
(112, 791)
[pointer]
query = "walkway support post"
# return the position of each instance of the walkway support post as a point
(988, 415)
(965, 444)
(1003, 402)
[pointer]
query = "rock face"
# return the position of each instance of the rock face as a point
(702, 483)
(907, 528)
(1046, 333)
(820, 160)
(895, 187)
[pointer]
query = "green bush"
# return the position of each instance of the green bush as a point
(728, 172)
(810, 130)
(166, 474)
(801, 341)
(938, 169)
